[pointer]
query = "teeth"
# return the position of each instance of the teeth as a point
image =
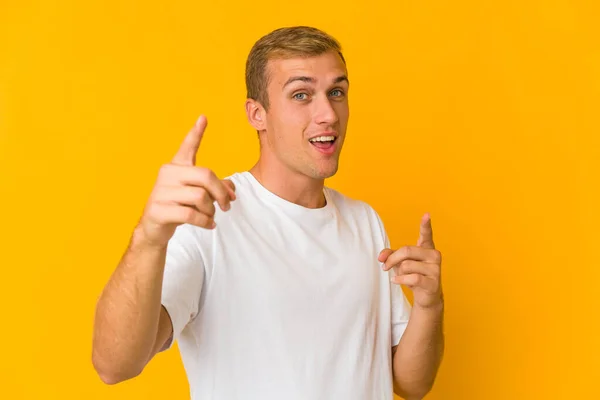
(323, 139)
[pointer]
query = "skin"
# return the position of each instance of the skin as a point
(417, 358)
(130, 324)
(291, 168)
(289, 165)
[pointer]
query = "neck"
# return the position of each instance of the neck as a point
(288, 184)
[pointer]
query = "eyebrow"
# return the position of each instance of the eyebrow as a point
(341, 78)
(308, 79)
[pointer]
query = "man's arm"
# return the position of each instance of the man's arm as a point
(130, 324)
(416, 359)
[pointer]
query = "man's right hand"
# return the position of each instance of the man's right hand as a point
(184, 193)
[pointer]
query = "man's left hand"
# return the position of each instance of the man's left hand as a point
(418, 267)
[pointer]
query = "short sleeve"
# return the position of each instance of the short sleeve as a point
(183, 279)
(400, 306)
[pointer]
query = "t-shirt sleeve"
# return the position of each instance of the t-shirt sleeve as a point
(183, 279)
(400, 306)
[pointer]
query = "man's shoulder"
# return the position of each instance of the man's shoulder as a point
(358, 210)
(348, 202)
(237, 177)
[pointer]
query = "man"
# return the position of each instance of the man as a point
(274, 285)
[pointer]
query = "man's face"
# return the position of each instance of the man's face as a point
(308, 113)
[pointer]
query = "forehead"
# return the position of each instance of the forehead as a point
(324, 67)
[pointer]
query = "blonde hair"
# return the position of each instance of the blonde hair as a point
(296, 41)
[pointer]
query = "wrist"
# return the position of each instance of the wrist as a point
(436, 307)
(140, 241)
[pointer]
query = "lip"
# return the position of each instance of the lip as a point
(328, 133)
(328, 151)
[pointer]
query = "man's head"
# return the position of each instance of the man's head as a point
(297, 86)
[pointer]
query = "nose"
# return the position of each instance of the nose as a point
(324, 112)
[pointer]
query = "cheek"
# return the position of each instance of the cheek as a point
(342, 111)
(291, 119)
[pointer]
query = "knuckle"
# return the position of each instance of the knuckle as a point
(206, 174)
(200, 196)
(164, 171)
(207, 197)
(223, 192)
(188, 215)
(230, 184)
(222, 198)
(201, 220)
(160, 196)
(160, 193)
(210, 211)
(405, 251)
(437, 256)
(222, 195)
(405, 266)
(417, 279)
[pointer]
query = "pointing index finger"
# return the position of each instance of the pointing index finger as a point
(186, 155)
(426, 233)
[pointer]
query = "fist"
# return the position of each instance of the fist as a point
(418, 267)
(184, 193)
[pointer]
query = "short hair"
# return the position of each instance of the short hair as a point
(282, 43)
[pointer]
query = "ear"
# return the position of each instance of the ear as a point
(256, 114)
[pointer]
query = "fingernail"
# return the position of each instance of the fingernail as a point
(199, 119)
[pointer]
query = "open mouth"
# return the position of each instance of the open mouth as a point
(323, 143)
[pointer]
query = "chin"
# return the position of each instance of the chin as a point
(324, 171)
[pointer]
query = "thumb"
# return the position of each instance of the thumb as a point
(384, 254)
(230, 188)
(186, 155)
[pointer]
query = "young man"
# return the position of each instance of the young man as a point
(275, 286)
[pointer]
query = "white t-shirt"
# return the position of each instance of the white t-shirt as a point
(280, 301)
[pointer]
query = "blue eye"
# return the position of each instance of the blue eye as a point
(297, 96)
(336, 93)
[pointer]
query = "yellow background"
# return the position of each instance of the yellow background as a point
(483, 113)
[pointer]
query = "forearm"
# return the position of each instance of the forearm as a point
(127, 313)
(419, 353)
